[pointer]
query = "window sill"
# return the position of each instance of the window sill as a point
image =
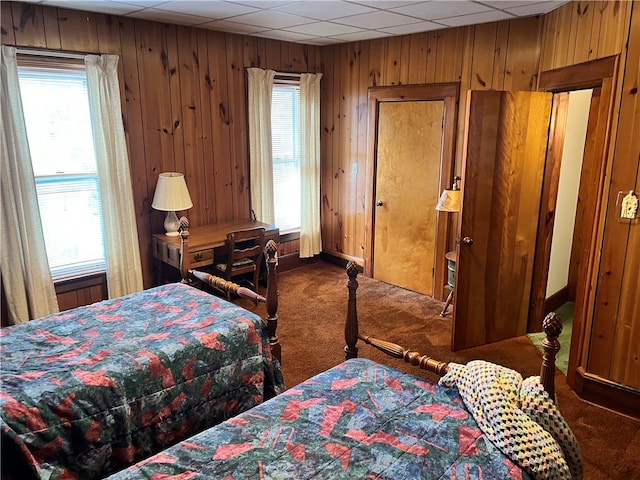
(68, 284)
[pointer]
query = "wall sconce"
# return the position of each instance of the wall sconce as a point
(171, 196)
(450, 199)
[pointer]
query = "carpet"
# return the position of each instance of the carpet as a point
(311, 312)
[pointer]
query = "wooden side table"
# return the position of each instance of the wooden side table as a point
(203, 242)
(451, 279)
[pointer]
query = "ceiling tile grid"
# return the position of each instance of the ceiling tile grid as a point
(316, 22)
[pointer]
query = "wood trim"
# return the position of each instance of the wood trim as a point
(546, 216)
(576, 77)
(608, 394)
(557, 81)
(556, 300)
(449, 93)
(78, 283)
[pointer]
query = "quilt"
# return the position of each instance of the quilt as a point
(89, 391)
(359, 420)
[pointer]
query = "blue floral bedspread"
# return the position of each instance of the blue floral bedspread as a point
(359, 420)
(89, 391)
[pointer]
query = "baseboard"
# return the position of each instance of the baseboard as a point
(607, 394)
(341, 261)
(293, 260)
(556, 300)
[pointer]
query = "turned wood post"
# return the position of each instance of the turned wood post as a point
(552, 326)
(185, 262)
(272, 298)
(351, 322)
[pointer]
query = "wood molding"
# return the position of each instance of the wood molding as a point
(449, 93)
(578, 76)
(608, 394)
(556, 300)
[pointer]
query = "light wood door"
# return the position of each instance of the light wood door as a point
(409, 152)
(506, 144)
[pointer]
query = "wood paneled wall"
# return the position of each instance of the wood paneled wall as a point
(575, 33)
(500, 56)
(183, 95)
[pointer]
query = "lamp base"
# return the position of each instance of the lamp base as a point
(171, 224)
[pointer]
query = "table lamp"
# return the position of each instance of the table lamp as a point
(450, 199)
(171, 196)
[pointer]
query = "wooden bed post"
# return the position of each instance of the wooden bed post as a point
(351, 323)
(272, 298)
(185, 262)
(552, 326)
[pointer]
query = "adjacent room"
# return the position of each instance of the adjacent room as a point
(194, 194)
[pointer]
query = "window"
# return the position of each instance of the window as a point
(285, 141)
(57, 117)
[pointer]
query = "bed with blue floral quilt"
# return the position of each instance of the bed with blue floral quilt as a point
(89, 391)
(364, 420)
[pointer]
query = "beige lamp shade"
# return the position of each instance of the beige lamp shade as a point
(450, 199)
(171, 196)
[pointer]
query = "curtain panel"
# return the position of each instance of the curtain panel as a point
(27, 281)
(124, 269)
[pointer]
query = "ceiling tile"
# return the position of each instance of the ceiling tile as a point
(324, 10)
(412, 28)
(111, 8)
(210, 9)
(442, 9)
(376, 20)
(483, 17)
(233, 27)
(325, 29)
(285, 36)
(271, 19)
(533, 9)
(364, 35)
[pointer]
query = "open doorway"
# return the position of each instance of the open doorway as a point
(566, 242)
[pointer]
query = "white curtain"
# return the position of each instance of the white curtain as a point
(310, 237)
(27, 281)
(124, 270)
(260, 85)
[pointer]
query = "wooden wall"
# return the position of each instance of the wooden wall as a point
(500, 56)
(575, 33)
(184, 96)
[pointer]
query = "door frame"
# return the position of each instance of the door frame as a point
(449, 94)
(593, 74)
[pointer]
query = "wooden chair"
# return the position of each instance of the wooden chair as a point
(245, 250)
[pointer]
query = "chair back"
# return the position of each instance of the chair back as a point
(245, 250)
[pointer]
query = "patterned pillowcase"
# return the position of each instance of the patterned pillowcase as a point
(491, 393)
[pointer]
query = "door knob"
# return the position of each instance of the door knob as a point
(379, 203)
(467, 241)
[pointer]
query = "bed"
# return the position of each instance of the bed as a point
(361, 419)
(89, 391)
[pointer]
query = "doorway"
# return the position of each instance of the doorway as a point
(410, 156)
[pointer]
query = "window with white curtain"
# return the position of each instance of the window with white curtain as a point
(57, 116)
(286, 151)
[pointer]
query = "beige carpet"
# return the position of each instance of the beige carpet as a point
(312, 308)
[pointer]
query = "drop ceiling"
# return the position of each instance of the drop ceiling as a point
(312, 22)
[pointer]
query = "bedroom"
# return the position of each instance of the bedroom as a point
(503, 55)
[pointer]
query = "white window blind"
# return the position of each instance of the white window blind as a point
(285, 140)
(57, 117)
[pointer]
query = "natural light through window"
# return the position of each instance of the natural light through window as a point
(57, 116)
(285, 139)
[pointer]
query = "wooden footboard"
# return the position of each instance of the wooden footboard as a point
(552, 326)
(271, 299)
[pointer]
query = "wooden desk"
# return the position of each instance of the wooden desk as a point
(202, 243)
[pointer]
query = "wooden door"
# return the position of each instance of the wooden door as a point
(409, 152)
(505, 150)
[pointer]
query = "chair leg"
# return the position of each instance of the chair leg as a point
(446, 304)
